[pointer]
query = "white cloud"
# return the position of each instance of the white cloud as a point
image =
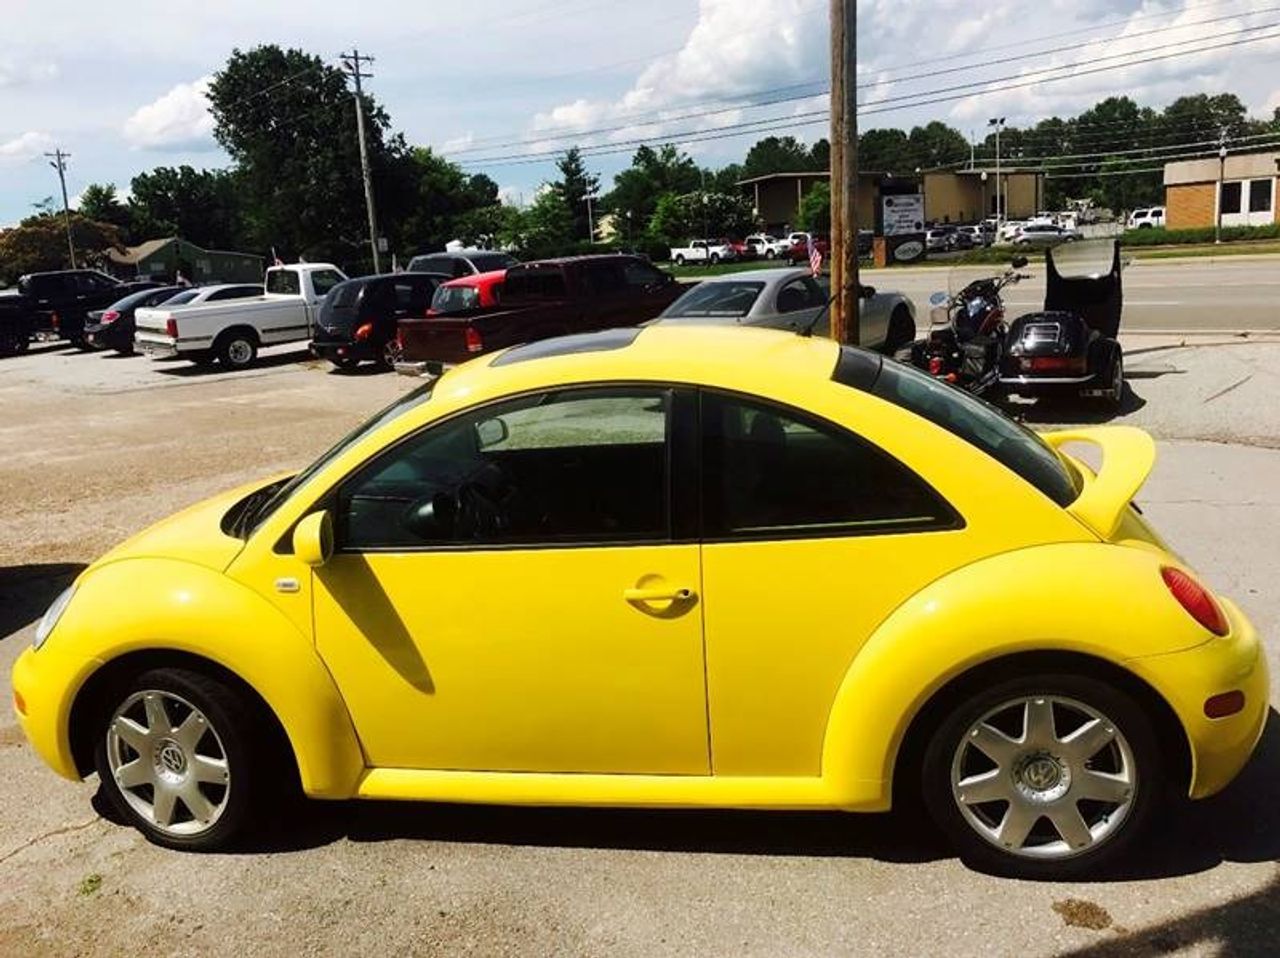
(458, 142)
(15, 72)
(180, 118)
(25, 147)
(1271, 104)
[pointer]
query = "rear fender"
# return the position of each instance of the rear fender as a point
(1089, 598)
(143, 604)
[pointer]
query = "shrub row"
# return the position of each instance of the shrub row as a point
(1203, 234)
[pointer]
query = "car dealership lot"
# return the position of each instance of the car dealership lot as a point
(93, 454)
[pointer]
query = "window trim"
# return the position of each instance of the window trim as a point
(950, 521)
(676, 494)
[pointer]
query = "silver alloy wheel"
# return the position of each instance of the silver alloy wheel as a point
(240, 352)
(1037, 792)
(391, 352)
(168, 762)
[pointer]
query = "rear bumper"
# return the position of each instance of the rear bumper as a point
(157, 348)
(426, 368)
(332, 350)
(1033, 381)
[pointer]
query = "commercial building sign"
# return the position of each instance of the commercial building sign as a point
(904, 227)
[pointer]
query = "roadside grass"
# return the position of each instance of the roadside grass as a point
(690, 271)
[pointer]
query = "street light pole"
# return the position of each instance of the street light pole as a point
(998, 123)
(1222, 169)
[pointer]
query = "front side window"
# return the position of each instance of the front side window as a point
(803, 293)
(534, 284)
(584, 465)
(604, 277)
(324, 280)
(642, 275)
(770, 472)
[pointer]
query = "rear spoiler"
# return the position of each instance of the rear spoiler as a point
(1127, 457)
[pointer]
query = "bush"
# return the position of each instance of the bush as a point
(1153, 236)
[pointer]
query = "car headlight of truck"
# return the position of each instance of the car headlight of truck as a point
(52, 616)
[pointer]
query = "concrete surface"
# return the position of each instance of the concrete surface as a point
(91, 454)
(1223, 296)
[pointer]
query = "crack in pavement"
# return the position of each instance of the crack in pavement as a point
(1223, 392)
(65, 829)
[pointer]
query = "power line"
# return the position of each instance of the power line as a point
(923, 98)
(563, 131)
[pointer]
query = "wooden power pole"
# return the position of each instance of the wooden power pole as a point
(351, 62)
(58, 160)
(845, 327)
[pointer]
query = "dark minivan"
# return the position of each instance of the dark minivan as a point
(462, 262)
(357, 320)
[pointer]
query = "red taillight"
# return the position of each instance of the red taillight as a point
(1055, 364)
(110, 316)
(171, 327)
(56, 322)
(364, 331)
(935, 365)
(475, 343)
(1195, 598)
(400, 339)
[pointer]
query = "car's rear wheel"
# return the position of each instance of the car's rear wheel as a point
(715, 258)
(237, 349)
(1043, 777)
(392, 353)
(178, 759)
(770, 254)
(680, 260)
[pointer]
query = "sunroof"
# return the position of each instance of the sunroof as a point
(568, 345)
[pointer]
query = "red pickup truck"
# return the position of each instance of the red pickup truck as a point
(542, 299)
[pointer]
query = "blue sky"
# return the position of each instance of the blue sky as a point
(119, 88)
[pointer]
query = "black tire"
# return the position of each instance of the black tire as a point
(770, 254)
(237, 349)
(204, 359)
(232, 720)
(679, 259)
(715, 258)
(902, 330)
(344, 363)
(1121, 712)
(1114, 397)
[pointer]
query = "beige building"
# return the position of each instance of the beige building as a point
(1242, 189)
(968, 196)
(776, 196)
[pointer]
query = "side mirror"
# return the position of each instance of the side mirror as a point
(490, 432)
(1019, 262)
(432, 518)
(866, 292)
(313, 539)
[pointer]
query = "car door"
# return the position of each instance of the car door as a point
(811, 537)
(507, 593)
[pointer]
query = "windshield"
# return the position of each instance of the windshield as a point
(253, 517)
(979, 424)
(730, 298)
(485, 262)
(1085, 259)
(455, 299)
(186, 296)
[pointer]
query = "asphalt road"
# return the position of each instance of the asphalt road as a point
(1227, 295)
(96, 448)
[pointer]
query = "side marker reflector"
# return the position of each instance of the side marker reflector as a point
(1224, 704)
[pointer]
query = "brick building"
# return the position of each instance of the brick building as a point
(1248, 196)
(967, 196)
(776, 196)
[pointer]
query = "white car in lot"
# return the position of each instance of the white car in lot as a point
(232, 332)
(703, 251)
(1149, 218)
(767, 246)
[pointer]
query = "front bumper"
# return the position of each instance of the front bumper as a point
(1219, 747)
(40, 684)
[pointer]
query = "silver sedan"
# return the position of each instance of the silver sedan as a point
(792, 299)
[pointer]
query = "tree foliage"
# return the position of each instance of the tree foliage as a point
(814, 211)
(574, 186)
(39, 243)
(99, 203)
(697, 215)
(200, 206)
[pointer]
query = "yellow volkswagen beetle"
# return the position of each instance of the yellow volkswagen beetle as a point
(680, 567)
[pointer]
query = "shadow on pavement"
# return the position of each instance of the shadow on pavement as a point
(27, 590)
(1072, 410)
(184, 369)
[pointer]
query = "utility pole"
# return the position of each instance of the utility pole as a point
(1222, 170)
(351, 63)
(59, 162)
(845, 327)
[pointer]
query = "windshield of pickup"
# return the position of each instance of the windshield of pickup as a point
(251, 514)
(715, 299)
(283, 281)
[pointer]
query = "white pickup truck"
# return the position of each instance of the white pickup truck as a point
(767, 246)
(703, 251)
(232, 332)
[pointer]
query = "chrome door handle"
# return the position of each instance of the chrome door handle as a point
(664, 594)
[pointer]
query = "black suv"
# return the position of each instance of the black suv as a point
(58, 301)
(358, 318)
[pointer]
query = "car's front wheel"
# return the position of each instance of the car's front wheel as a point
(179, 760)
(1043, 777)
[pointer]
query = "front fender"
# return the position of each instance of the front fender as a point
(1091, 598)
(136, 605)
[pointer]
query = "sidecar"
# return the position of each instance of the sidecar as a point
(1070, 347)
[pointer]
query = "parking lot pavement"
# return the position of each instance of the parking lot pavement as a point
(85, 467)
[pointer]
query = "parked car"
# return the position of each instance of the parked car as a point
(1043, 235)
(1010, 229)
(540, 300)
(767, 246)
(357, 320)
(57, 302)
(798, 252)
(232, 332)
(468, 294)
(703, 251)
(1150, 218)
(978, 236)
(947, 239)
(791, 299)
(17, 323)
(463, 262)
(578, 574)
(113, 327)
(742, 250)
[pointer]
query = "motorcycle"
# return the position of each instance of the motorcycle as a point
(966, 340)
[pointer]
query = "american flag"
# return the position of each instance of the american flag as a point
(815, 257)
(275, 260)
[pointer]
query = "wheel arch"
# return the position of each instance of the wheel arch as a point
(229, 331)
(1172, 737)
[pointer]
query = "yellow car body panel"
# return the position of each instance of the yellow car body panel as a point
(526, 676)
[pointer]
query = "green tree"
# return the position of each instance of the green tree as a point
(725, 179)
(653, 174)
(99, 203)
(885, 151)
(777, 154)
(546, 227)
(574, 186)
(39, 243)
(814, 212)
(287, 120)
(820, 155)
(201, 206)
(935, 144)
(679, 218)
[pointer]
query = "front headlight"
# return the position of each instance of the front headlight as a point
(52, 616)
